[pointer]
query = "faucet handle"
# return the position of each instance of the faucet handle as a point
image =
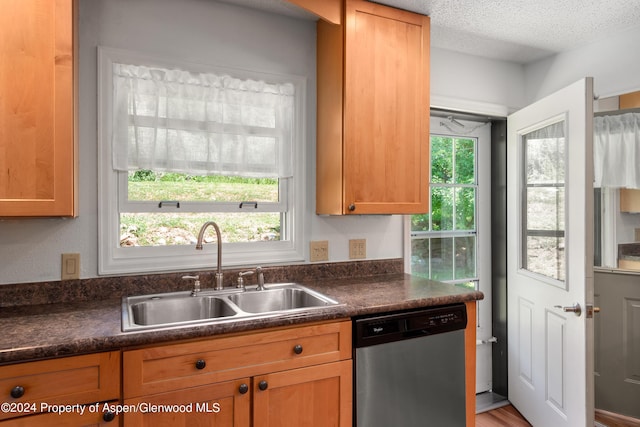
(241, 278)
(196, 284)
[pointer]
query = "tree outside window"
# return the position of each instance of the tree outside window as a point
(443, 245)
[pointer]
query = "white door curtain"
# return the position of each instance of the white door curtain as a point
(616, 149)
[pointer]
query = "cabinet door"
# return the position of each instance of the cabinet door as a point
(226, 404)
(316, 396)
(386, 117)
(37, 151)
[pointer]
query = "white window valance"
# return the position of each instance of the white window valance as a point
(201, 123)
(616, 151)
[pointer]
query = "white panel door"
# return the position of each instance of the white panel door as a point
(550, 258)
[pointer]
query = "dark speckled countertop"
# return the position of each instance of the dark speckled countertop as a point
(31, 332)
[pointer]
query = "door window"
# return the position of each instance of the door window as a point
(543, 195)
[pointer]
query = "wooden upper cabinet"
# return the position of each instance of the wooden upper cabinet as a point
(37, 141)
(373, 112)
(629, 100)
(629, 200)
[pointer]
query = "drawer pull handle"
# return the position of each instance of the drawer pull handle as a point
(17, 392)
(201, 364)
(108, 416)
(243, 388)
(263, 385)
(297, 349)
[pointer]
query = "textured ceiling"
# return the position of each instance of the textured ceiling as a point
(522, 30)
(513, 30)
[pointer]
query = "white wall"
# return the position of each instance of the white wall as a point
(468, 83)
(613, 62)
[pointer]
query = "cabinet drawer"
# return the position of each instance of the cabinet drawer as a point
(69, 380)
(70, 419)
(172, 367)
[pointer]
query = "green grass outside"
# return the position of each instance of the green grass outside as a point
(160, 229)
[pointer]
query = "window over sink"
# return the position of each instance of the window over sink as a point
(182, 144)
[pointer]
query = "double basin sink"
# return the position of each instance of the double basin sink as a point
(176, 309)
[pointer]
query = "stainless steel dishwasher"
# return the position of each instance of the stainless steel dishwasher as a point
(409, 368)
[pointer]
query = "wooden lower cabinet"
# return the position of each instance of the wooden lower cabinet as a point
(314, 396)
(31, 392)
(72, 419)
(294, 376)
(470, 363)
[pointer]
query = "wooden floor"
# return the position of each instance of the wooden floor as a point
(508, 416)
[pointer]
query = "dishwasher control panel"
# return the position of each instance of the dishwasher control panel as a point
(385, 328)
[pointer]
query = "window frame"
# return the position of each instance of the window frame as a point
(112, 185)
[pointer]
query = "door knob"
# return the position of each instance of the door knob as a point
(575, 308)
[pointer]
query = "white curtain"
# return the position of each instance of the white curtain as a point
(616, 151)
(201, 123)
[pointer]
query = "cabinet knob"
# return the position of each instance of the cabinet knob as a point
(297, 349)
(17, 392)
(352, 207)
(243, 388)
(108, 416)
(201, 364)
(263, 385)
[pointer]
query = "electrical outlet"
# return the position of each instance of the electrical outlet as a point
(357, 248)
(70, 267)
(319, 250)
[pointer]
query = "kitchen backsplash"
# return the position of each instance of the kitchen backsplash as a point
(115, 287)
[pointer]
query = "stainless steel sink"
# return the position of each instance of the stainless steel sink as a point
(280, 299)
(177, 309)
(159, 310)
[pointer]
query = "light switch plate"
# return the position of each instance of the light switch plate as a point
(70, 267)
(357, 248)
(319, 250)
